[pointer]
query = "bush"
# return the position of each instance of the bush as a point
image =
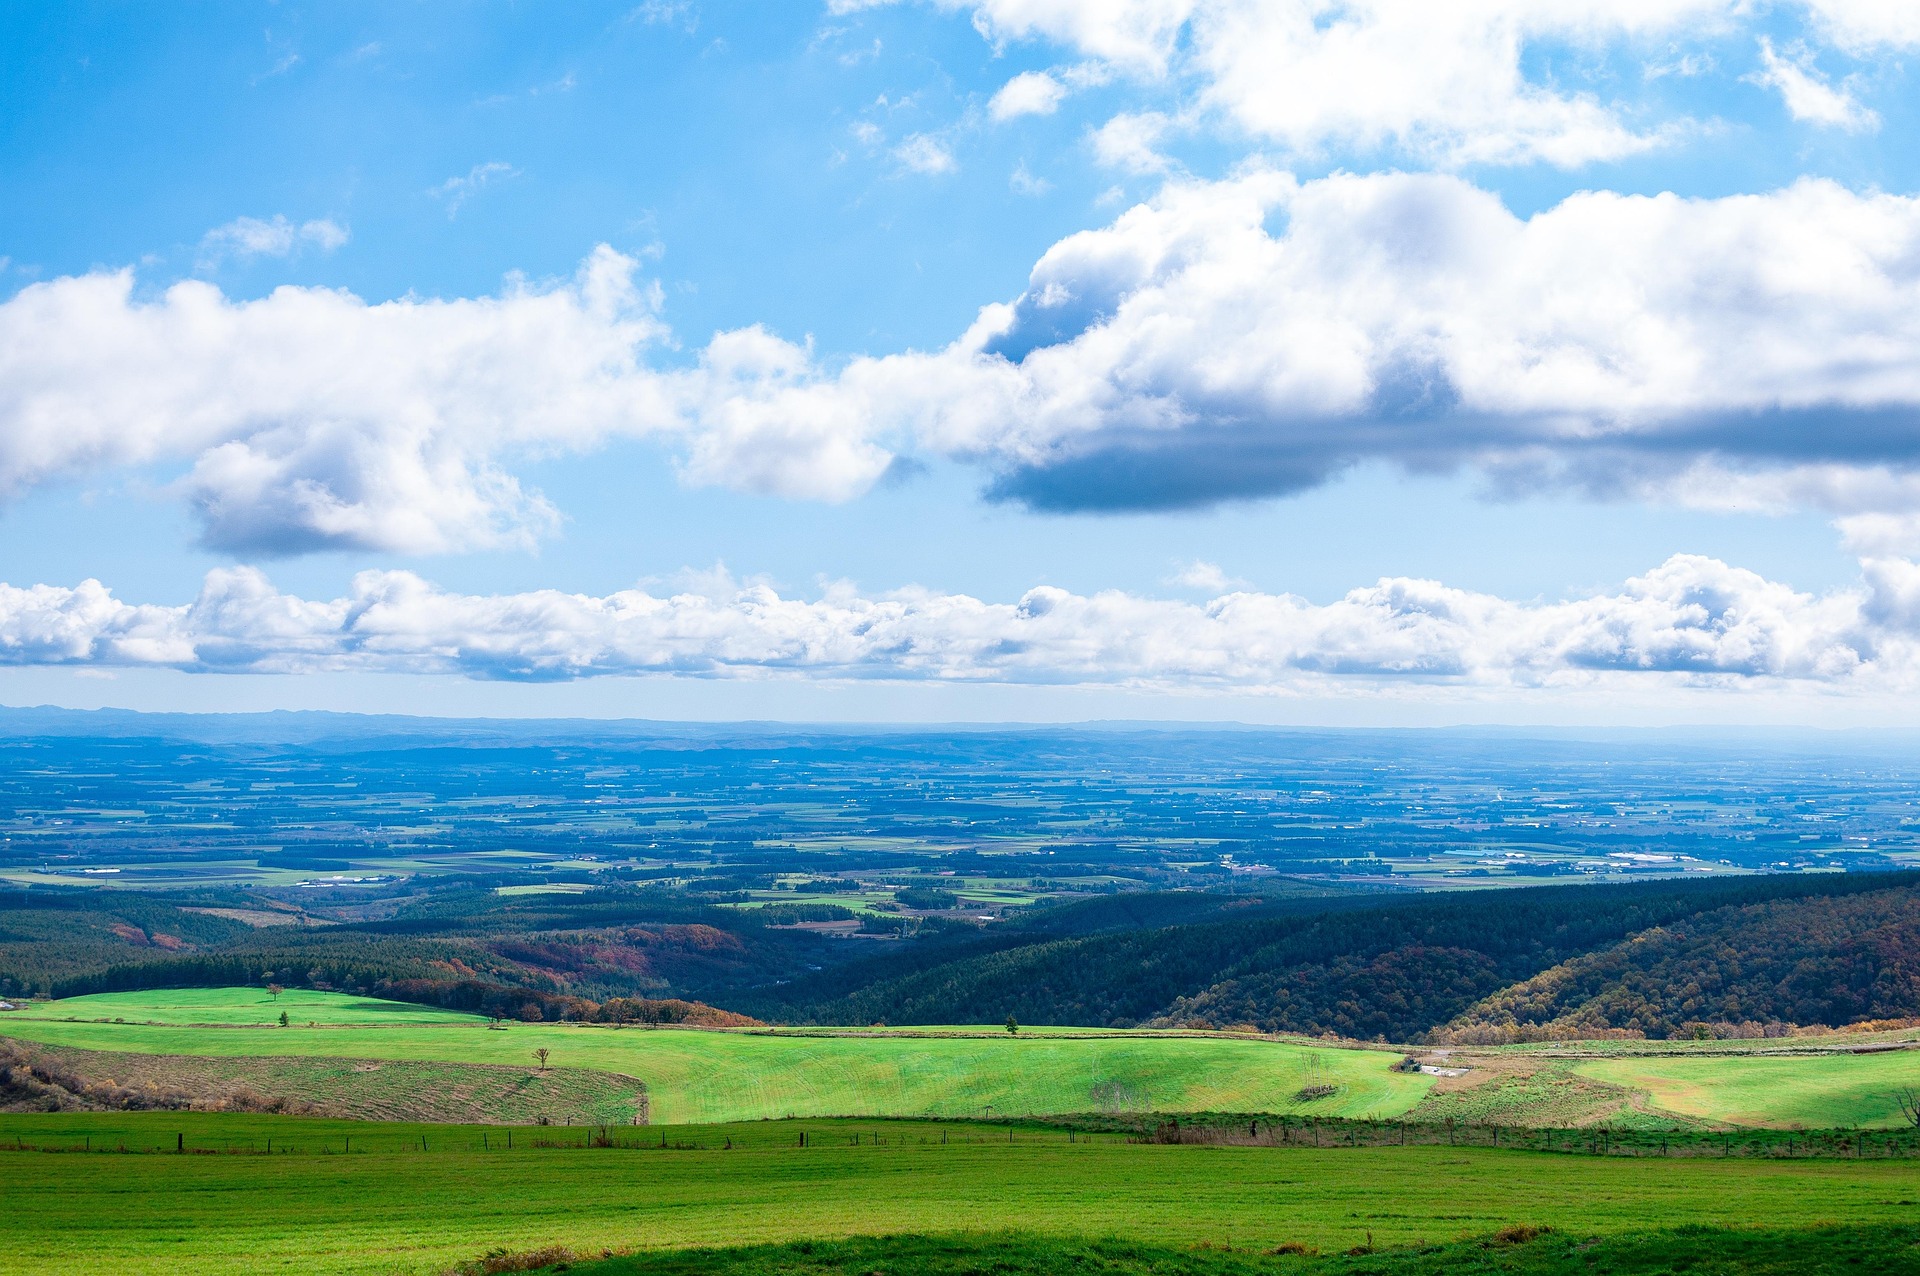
(500, 1260)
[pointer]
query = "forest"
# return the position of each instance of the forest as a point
(1726, 957)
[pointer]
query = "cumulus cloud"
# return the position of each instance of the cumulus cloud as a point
(1232, 339)
(1807, 94)
(309, 419)
(1130, 141)
(1691, 620)
(251, 237)
(1449, 83)
(1029, 93)
(1256, 336)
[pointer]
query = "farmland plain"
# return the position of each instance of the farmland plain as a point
(399, 1204)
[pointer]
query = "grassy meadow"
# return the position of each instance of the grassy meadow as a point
(1521, 1251)
(1820, 1090)
(238, 1007)
(396, 1204)
(704, 1075)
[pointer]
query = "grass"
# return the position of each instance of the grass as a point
(1809, 1252)
(393, 1205)
(359, 1089)
(1551, 1095)
(236, 1007)
(1810, 1090)
(708, 1076)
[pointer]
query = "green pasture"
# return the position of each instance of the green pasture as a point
(247, 1007)
(1826, 1251)
(396, 1205)
(1811, 1090)
(699, 1076)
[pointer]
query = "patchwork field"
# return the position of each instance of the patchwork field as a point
(417, 1198)
(444, 1065)
(701, 1076)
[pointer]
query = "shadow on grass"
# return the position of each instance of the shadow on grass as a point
(1520, 1250)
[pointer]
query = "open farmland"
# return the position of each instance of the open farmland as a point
(392, 1206)
(230, 1038)
(698, 1076)
(1812, 1090)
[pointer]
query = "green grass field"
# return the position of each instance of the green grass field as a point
(1810, 1090)
(700, 1076)
(697, 1076)
(236, 1006)
(1810, 1252)
(392, 1206)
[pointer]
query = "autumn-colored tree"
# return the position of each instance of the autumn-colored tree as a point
(541, 1055)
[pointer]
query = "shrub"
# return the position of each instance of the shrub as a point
(500, 1260)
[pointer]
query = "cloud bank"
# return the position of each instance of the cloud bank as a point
(1690, 621)
(1240, 338)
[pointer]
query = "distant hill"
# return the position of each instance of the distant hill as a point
(1821, 960)
(1726, 956)
(1402, 968)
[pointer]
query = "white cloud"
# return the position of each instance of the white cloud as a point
(1690, 621)
(1138, 35)
(251, 237)
(1130, 141)
(1226, 340)
(1865, 27)
(1256, 335)
(1447, 83)
(310, 419)
(1207, 577)
(925, 154)
(1029, 93)
(1807, 95)
(456, 191)
(675, 13)
(1025, 182)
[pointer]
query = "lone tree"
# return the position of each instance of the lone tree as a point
(1909, 1100)
(274, 991)
(541, 1055)
(283, 1018)
(1012, 1025)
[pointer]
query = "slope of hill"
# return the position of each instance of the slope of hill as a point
(1392, 970)
(1738, 970)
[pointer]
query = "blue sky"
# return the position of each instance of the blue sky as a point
(897, 314)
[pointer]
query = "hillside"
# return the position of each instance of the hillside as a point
(1393, 970)
(704, 1076)
(1740, 970)
(1726, 956)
